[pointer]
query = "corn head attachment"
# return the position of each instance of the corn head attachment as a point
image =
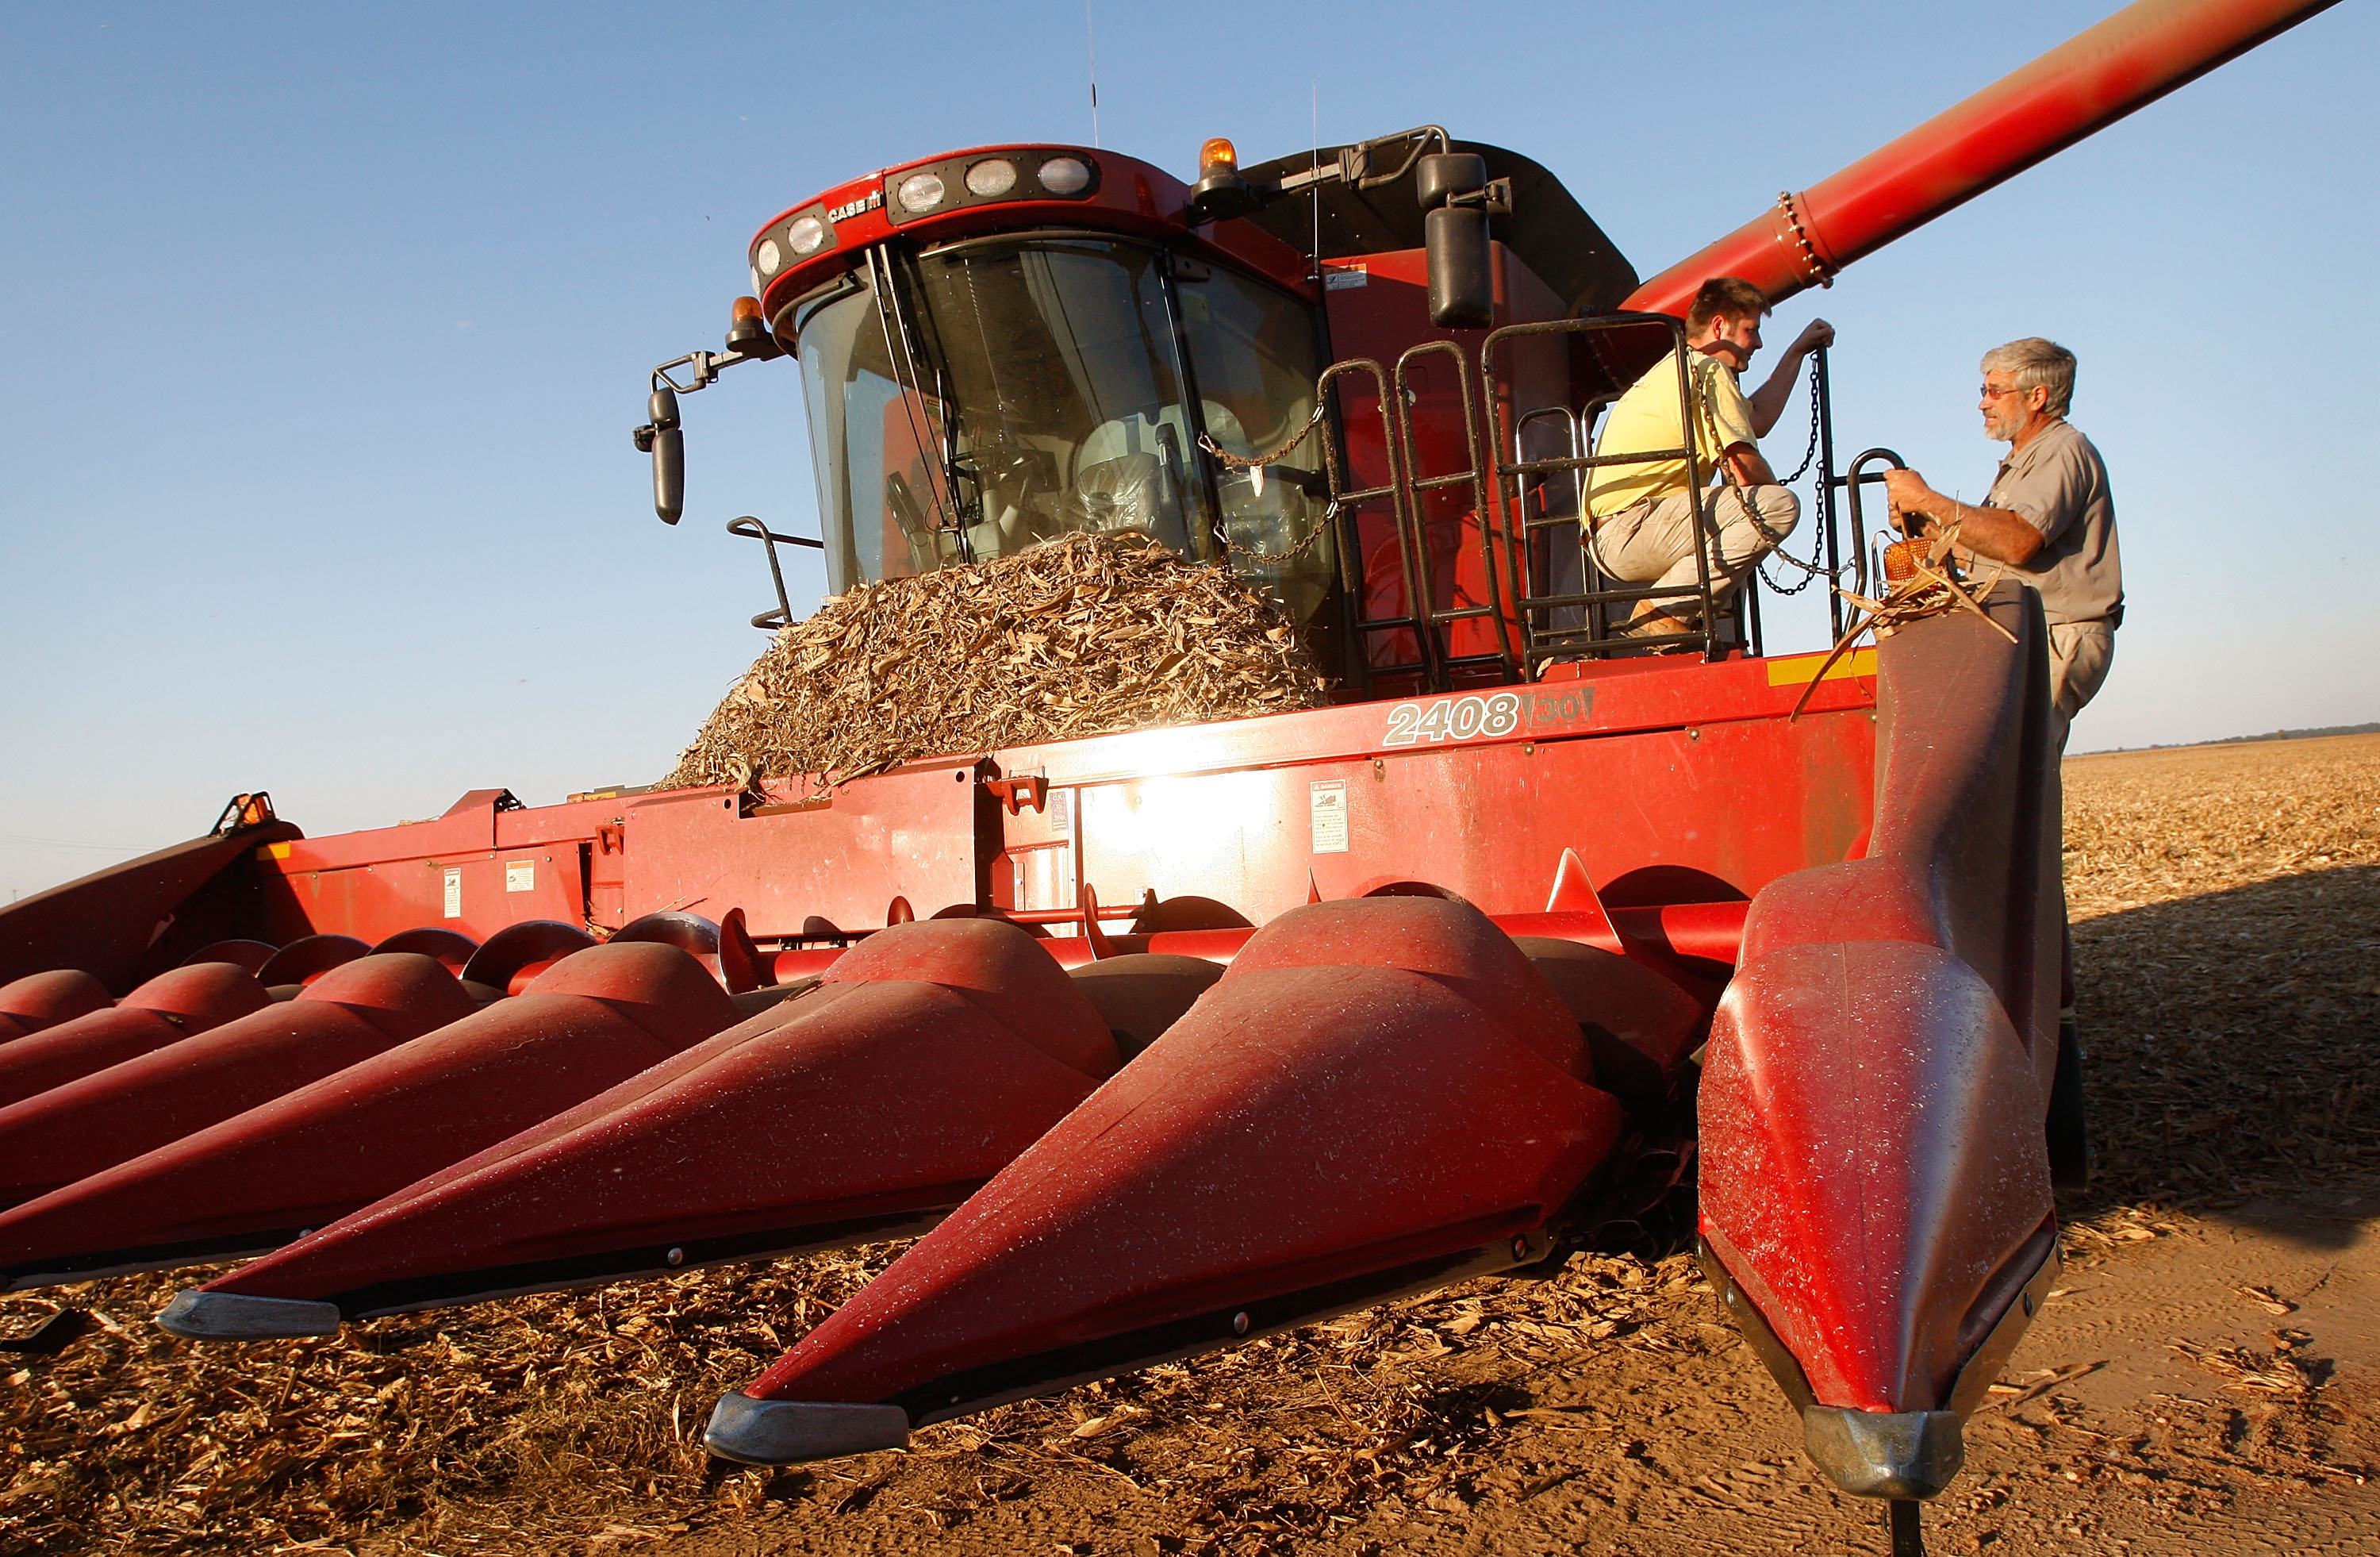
(1514, 935)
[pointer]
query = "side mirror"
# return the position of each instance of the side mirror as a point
(1456, 196)
(665, 440)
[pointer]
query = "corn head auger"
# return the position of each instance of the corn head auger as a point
(1528, 943)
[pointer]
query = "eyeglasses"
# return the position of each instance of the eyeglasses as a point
(1988, 393)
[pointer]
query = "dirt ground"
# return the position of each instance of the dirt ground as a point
(2205, 1379)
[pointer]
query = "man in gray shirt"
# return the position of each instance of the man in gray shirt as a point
(2049, 517)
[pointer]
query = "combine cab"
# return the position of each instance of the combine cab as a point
(1529, 942)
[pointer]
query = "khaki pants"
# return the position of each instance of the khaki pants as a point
(2080, 653)
(1653, 541)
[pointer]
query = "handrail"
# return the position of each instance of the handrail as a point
(745, 525)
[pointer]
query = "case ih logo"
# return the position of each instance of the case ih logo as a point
(844, 212)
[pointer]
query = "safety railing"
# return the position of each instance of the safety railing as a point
(1543, 592)
(770, 621)
(1346, 505)
(1579, 623)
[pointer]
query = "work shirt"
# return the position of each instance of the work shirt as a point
(1647, 419)
(2058, 485)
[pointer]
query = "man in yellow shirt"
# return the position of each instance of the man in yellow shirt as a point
(1643, 526)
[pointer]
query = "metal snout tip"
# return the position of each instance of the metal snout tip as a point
(236, 1316)
(1884, 1453)
(785, 1432)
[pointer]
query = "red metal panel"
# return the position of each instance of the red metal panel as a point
(910, 834)
(1730, 806)
(488, 888)
(2130, 60)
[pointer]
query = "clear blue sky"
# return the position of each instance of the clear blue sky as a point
(325, 327)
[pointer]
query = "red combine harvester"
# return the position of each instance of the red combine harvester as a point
(1528, 943)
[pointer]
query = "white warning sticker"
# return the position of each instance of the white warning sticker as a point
(1337, 278)
(1326, 803)
(520, 875)
(454, 891)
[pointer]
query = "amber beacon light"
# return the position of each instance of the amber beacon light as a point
(1220, 193)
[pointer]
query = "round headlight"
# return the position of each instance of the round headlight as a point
(991, 178)
(921, 192)
(1065, 175)
(770, 257)
(806, 234)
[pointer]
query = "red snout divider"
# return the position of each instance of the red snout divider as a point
(925, 1061)
(255, 1180)
(166, 1009)
(1379, 1095)
(1871, 1100)
(93, 1122)
(43, 1000)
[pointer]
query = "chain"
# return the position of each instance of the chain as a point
(1274, 559)
(1726, 479)
(1811, 571)
(1235, 462)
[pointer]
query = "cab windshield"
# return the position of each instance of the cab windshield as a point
(980, 399)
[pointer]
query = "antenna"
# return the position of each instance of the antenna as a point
(1091, 51)
(1316, 83)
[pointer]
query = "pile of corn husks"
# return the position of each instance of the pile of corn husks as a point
(1083, 637)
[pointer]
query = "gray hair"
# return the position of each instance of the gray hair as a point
(2037, 364)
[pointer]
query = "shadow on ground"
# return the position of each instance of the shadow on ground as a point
(2233, 1041)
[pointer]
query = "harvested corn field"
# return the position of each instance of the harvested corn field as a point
(1081, 636)
(2204, 1381)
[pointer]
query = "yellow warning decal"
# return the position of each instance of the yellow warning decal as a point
(1799, 670)
(274, 851)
